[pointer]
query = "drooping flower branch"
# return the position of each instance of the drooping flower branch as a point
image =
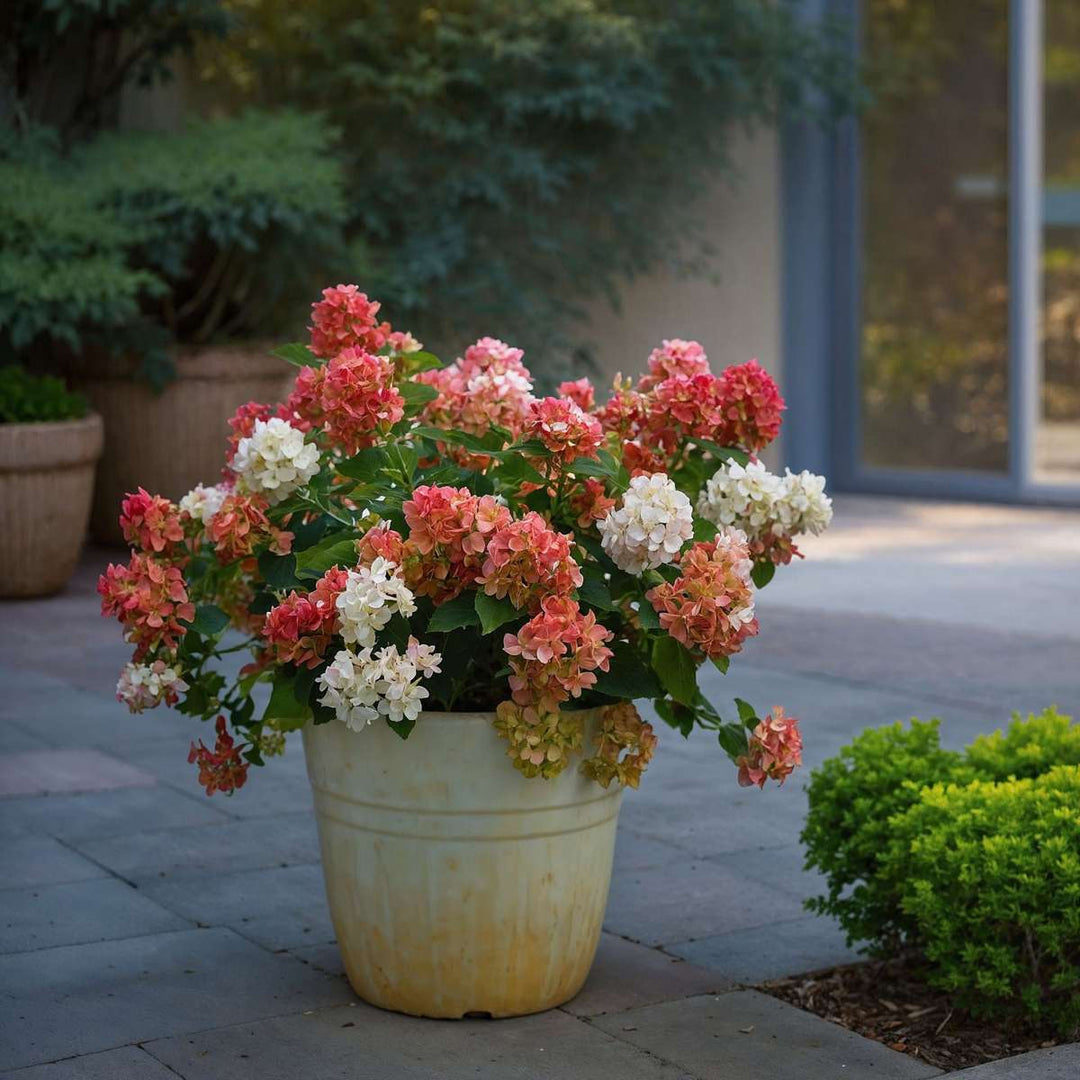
(400, 536)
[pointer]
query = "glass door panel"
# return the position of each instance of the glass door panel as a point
(933, 366)
(1057, 438)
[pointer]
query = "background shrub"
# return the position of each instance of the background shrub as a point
(847, 832)
(990, 875)
(507, 159)
(1028, 748)
(26, 398)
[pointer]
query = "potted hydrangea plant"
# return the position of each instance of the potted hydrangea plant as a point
(457, 590)
(49, 444)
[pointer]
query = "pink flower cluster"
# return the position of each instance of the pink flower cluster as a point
(241, 525)
(528, 560)
(149, 598)
(344, 319)
(299, 630)
(580, 392)
(675, 357)
(751, 406)
(774, 750)
(565, 429)
(556, 654)
(150, 523)
(488, 386)
(590, 502)
(380, 542)
(352, 398)
(448, 533)
(710, 606)
(221, 769)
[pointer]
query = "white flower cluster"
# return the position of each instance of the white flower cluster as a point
(145, 686)
(361, 687)
(371, 597)
(650, 527)
(757, 501)
(274, 460)
(202, 503)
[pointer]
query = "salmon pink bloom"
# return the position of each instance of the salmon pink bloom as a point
(710, 606)
(555, 655)
(674, 357)
(357, 399)
(590, 502)
(625, 411)
(221, 769)
(380, 542)
(684, 407)
(774, 750)
(565, 429)
(641, 460)
(150, 523)
(401, 341)
(751, 407)
(527, 560)
(580, 392)
(149, 598)
(301, 627)
(241, 527)
(344, 319)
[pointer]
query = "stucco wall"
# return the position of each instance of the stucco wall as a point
(736, 317)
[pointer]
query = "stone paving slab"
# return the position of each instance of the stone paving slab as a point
(108, 813)
(652, 906)
(29, 859)
(753, 956)
(627, 976)
(282, 908)
(126, 1063)
(1054, 1063)
(745, 1035)
(56, 772)
(225, 847)
(362, 1043)
(45, 916)
(78, 999)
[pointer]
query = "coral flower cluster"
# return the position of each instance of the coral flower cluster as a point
(527, 560)
(709, 608)
(150, 599)
(221, 769)
(150, 522)
(300, 629)
(345, 319)
(565, 429)
(774, 750)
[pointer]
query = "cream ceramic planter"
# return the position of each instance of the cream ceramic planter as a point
(46, 481)
(456, 885)
(169, 442)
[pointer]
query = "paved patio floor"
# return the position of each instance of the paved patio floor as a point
(147, 931)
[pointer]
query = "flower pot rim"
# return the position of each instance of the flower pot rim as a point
(477, 716)
(91, 419)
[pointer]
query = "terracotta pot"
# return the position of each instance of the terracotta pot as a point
(457, 886)
(169, 442)
(46, 481)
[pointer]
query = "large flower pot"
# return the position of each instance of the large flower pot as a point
(171, 441)
(46, 481)
(456, 886)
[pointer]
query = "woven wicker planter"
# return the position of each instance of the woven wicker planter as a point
(169, 442)
(46, 481)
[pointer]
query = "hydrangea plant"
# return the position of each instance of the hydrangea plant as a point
(400, 537)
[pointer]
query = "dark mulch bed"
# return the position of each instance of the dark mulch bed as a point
(888, 1002)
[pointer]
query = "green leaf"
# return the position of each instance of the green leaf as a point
(680, 717)
(747, 713)
(515, 470)
(297, 353)
(404, 459)
(676, 669)
(584, 466)
(364, 466)
(416, 396)
(491, 442)
(454, 614)
(722, 663)
(336, 550)
(594, 590)
(209, 620)
(401, 728)
(493, 612)
(762, 573)
(733, 739)
(421, 361)
(628, 676)
(647, 615)
(724, 453)
(278, 571)
(704, 529)
(283, 708)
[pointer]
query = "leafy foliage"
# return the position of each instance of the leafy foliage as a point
(28, 399)
(507, 160)
(853, 797)
(140, 238)
(1028, 748)
(990, 875)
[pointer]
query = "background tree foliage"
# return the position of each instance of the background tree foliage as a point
(508, 160)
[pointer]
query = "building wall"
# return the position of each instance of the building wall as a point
(737, 316)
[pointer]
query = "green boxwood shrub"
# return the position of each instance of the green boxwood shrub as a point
(990, 874)
(28, 399)
(1028, 748)
(852, 798)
